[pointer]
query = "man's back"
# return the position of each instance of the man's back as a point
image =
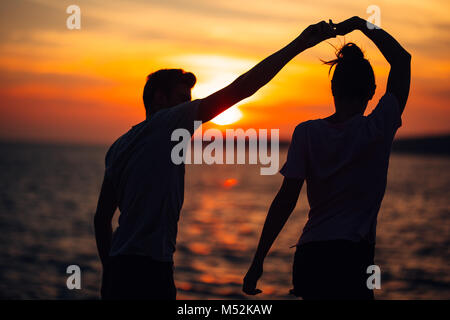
(149, 186)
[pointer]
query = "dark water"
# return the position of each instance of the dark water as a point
(48, 197)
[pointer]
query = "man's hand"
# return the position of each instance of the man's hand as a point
(347, 26)
(316, 33)
(251, 279)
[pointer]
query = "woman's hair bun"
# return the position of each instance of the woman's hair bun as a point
(353, 75)
(350, 52)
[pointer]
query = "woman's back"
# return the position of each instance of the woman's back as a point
(345, 167)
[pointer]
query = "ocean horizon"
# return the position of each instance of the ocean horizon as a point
(49, 195)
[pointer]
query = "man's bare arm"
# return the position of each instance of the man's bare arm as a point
(106, 207)
(251, 81)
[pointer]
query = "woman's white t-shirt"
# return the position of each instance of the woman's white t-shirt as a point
(345, 167)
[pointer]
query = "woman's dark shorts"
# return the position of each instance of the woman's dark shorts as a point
(333, 270)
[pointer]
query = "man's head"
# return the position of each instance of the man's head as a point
(166, 88)
(353, 82)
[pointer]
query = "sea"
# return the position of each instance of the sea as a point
(49, 192)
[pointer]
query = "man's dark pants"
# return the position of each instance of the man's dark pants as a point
(137, 277)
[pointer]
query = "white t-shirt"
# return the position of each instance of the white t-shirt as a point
(148, 185)
(345, 166)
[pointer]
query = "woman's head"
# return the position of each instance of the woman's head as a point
(353, 77)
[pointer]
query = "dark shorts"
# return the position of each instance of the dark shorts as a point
(333, 270)
(138, 277)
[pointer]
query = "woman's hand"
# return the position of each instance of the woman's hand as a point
(251, 278)
(316, 33)
(347, 26)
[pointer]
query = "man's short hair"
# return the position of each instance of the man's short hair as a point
(165, 80)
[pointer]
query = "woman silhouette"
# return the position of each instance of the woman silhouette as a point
(344, 159)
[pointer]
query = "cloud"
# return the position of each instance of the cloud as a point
(10, 78)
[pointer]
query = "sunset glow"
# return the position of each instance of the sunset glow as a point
(228, 116)
(229, 183)
(86, 85)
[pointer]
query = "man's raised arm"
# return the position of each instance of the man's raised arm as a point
(251, 81)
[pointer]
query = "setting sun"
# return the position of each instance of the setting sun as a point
(106, 61)
(215, 72)
(228, 116)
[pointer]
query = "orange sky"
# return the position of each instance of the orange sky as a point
(86, 85)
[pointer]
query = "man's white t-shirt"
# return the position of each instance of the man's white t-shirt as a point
(345, 167)
(149, 186)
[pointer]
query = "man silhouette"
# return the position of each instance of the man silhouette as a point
(148, 188)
